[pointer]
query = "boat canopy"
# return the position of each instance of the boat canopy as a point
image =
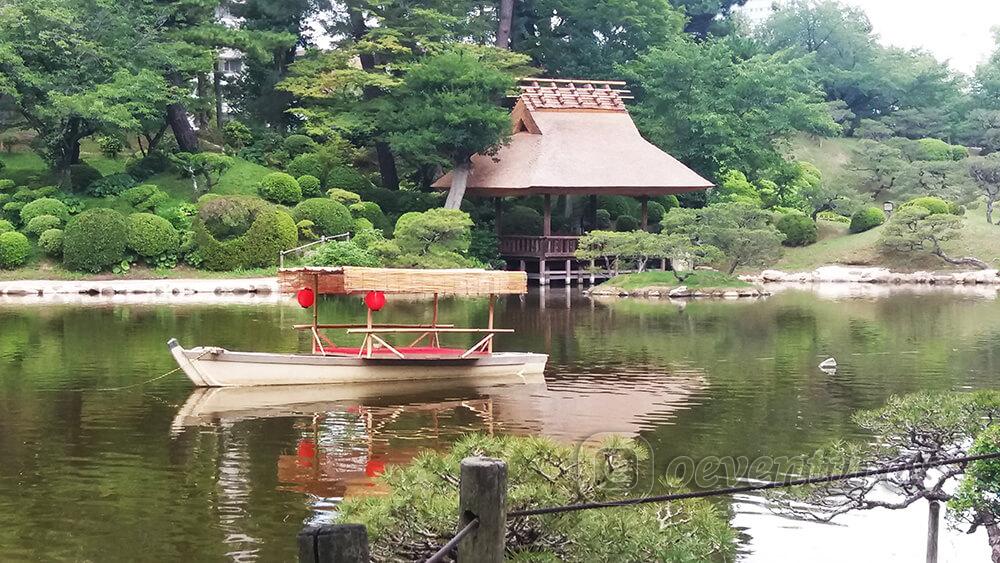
(345, 280)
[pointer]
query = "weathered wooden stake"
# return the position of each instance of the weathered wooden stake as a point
(933, 522)
(483, 494)
(336, 543)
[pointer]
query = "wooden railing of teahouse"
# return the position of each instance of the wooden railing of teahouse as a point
(538, 247)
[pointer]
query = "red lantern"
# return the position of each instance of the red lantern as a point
(374, 468)
(306, 297)
(375, 300)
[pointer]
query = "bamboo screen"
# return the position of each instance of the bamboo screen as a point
(348, 279)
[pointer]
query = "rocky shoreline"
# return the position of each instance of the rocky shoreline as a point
(846, 274)
(160, 287)
(681, 292)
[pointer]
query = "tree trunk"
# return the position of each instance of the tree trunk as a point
(217, 91)
(387, 166)
(459, 178)
(202, 118)
(989, 209)
(993, 533)
(933, 523)
(732, 267)
(177, 117)
(963, 261)
(506, 18)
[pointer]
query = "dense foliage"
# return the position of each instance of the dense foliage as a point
(150, 236)
(328, 216)
(14, 250)
(866, 219)
(234, 233)
(94, 240)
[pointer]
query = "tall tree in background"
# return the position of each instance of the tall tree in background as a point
(707, 16)
(505, 17)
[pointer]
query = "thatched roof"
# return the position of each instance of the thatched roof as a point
(576, 137)
(343, 280)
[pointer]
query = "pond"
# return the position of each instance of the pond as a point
(162, 471)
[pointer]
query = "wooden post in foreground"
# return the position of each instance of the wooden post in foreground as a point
(337, 543)
(483, 494)
(933, 522)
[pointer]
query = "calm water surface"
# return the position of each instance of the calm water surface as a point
(163, 472)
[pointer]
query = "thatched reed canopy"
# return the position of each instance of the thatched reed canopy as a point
(577, 138)
(344, 280)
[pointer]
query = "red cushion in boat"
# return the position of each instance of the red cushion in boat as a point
(405, 350)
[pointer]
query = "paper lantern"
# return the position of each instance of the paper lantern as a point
(375, 300)
(374, 468)
(306, 297)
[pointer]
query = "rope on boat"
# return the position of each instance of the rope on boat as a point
(124, 387)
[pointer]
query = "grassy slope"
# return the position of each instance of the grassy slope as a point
(704, 279)
(831, 156)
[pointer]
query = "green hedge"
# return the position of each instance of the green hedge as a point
(82, 175)
(14, 250)
(934, 205)
(51, 242)
(347, 178)
(310, 186)
(111, 185)
(343, 253)
(6, 226)
(42, 223)
(866, 219)
(798, 229)
(309, 164)
(278, 187)
(94, 240)
(371, 211)
(150, 235)
(328, 216)
(271, 231)
(145, 197)
(625, 223)
(296, 145)
(44, 206)
(149, 165)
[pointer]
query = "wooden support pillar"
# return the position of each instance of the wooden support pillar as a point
(489, 324)
(644, 222)
(482, 493)
(524, 266)
(547, 216)
(337, 543)
(569, 272)
(542, 278)
(592, 265)
(498, 214)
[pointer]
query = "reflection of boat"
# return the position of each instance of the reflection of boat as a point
(376, 359)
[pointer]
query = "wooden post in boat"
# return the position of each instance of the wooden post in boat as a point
(336, 543)
(436, 342)
(368, 336)
(489, 325)
(482, 493)
(315, 307)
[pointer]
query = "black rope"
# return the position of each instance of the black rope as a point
(446, 548)
(747, 488)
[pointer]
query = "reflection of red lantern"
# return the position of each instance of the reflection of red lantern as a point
(374, 468)
(305, 453)
(375, 300)
(306, 297)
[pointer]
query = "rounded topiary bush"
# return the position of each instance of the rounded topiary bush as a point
(329, 217)
(295, 145)
(934, 205)
(866, 219)
(656, 212)
(42, 223)
(14, 250)
(149, 165)
(112, 184)
(626, 223)
(521, 220)
(618, 205)
(12, 211)
(309, 164)
(347, 178)
(238, 232)
(94, 240)
(7, 185)
(278, 187)
(798, 229)
(82, 175)
(6, 226)
(150, 235)
(310, 186)
(371, 211)
(51, 242)
(603, 218)
(44, 206)
(344, 196)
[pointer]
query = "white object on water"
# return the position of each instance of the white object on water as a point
(828, 363)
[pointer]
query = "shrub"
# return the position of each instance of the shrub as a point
(603, 220)
(371, 211)
(309, 164)
(396, 202)
(521, 220)
(296, 145)
(933, 149)
(278, 187)
(834, 217)
(111, 185)
(956, 209)
(798, 229)
(343, 196)
(6, 226)
(240, 232)
(44, 206)
(306, 230)
(347, 178)
(14, 250)
(12, 211)
(343, 253)
(618, 205)
(656, 212)
(330, 217)
(149, 165)
(484, 246)
(310, 186)
(51, 242)
(866, 219)
(6, 185)
(145, 197)
(94, 240)
(626, 223)
(667, 201)
(38, 225)
(150, 235)
(111, 146)
(236, 135)
(82, 175)
(437, 238)
(958, 152)
(935, 205)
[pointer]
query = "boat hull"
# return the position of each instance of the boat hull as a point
(216, 367)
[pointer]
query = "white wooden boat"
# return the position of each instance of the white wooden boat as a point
(377, 359)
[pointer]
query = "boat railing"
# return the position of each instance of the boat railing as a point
(373, 338)
(322, 239)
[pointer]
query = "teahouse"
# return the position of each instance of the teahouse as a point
(573, 138)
